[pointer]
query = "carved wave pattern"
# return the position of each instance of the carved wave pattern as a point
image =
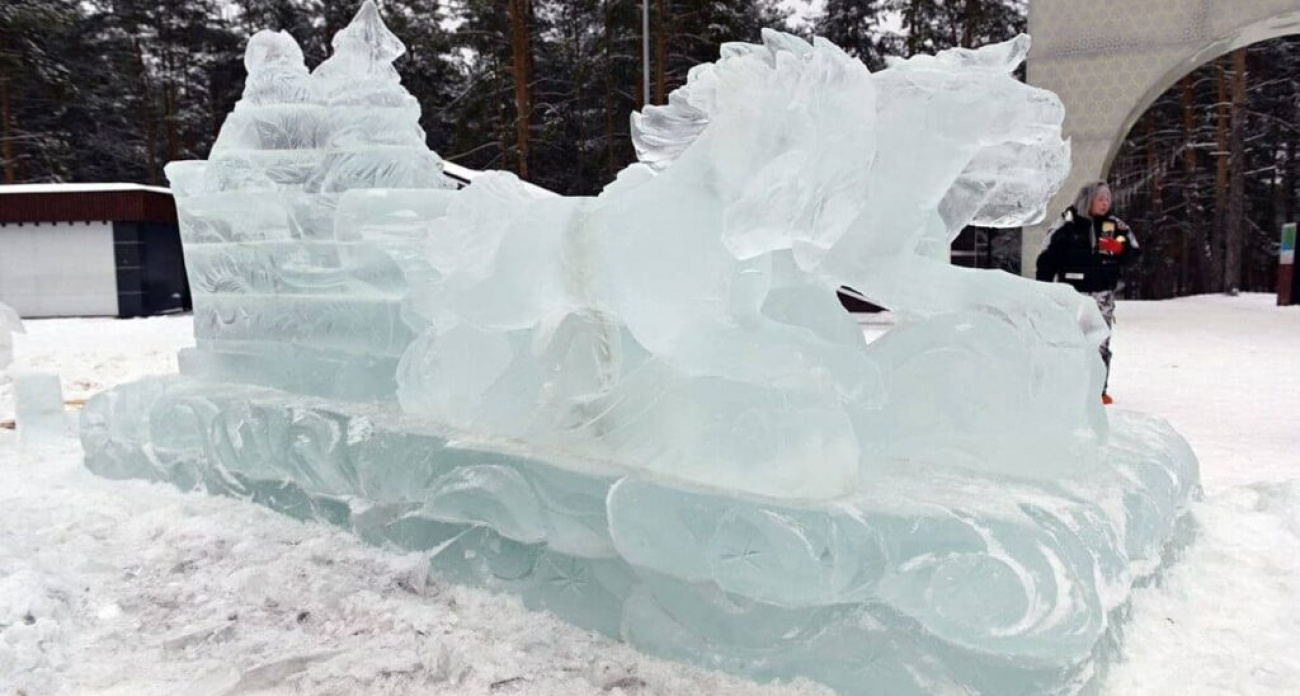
(998, 593)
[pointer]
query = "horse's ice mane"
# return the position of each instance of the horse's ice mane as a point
(662, 133)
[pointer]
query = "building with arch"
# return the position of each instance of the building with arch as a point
(1109, 60)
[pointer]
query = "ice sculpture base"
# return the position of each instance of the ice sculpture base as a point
(935, 580)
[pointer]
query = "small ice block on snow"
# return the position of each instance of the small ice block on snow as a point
(38, 408)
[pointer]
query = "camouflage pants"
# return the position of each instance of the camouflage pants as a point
(1106, 303)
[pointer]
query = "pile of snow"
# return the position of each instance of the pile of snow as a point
(131, 588)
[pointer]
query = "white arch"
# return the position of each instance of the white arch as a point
(1109, 60)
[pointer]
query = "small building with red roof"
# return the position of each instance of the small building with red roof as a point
(90, 250)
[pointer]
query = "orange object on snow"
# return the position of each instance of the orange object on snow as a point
(1106, 400)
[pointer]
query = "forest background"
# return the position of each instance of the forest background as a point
(112, 90)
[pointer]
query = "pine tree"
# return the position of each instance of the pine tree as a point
(154, 79)
(1201, 177)
(184, 66)
(930, 26)
(522, 26)
(693, 32)
(854, 25)
(301, 18)
(428, 69)
(568, 98)
(36, 82)
(484, 130)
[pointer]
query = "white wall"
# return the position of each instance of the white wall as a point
(58, 269)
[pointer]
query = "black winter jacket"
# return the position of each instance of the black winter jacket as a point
(1072, 252)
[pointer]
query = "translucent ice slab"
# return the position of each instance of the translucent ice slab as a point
(38, 409)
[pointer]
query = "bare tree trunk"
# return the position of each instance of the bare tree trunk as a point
(521, 16)
(1289, 180)
(7, 137)
(914, 37)
(1236, 221)
(1280, 194)
(661, 55)
(579, 80)
(7, 129)
(502, 127)
(1221, 184)
(147, 114)
(1193, 238)
(1292, 176)
(1158, 284)
(170, 118)
(215, 114)
(972, 18)
(611, 161)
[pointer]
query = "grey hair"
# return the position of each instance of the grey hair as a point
(1083, 203)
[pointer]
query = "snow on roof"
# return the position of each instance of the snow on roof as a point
(80, 188)
(468, 175)
(453, 170)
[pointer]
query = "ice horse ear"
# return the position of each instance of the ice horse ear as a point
(778, 42)
(999, 57)
(661, 134)
(1002, 57)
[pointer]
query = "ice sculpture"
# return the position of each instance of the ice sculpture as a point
(645, 411)
(285, 296)
(38, 409)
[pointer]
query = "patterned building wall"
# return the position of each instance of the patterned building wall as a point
(1110, 59)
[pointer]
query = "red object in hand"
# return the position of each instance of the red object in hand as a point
(1110, 245)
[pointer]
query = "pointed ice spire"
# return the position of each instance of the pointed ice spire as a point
(276, 72)
(368, 34)
(361, 68)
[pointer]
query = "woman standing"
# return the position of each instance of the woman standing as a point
(1087, 248)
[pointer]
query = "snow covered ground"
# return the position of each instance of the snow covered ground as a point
(130, 588)
(1226, 373)
(94, 354)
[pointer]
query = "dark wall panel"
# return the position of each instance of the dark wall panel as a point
(150, 269)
